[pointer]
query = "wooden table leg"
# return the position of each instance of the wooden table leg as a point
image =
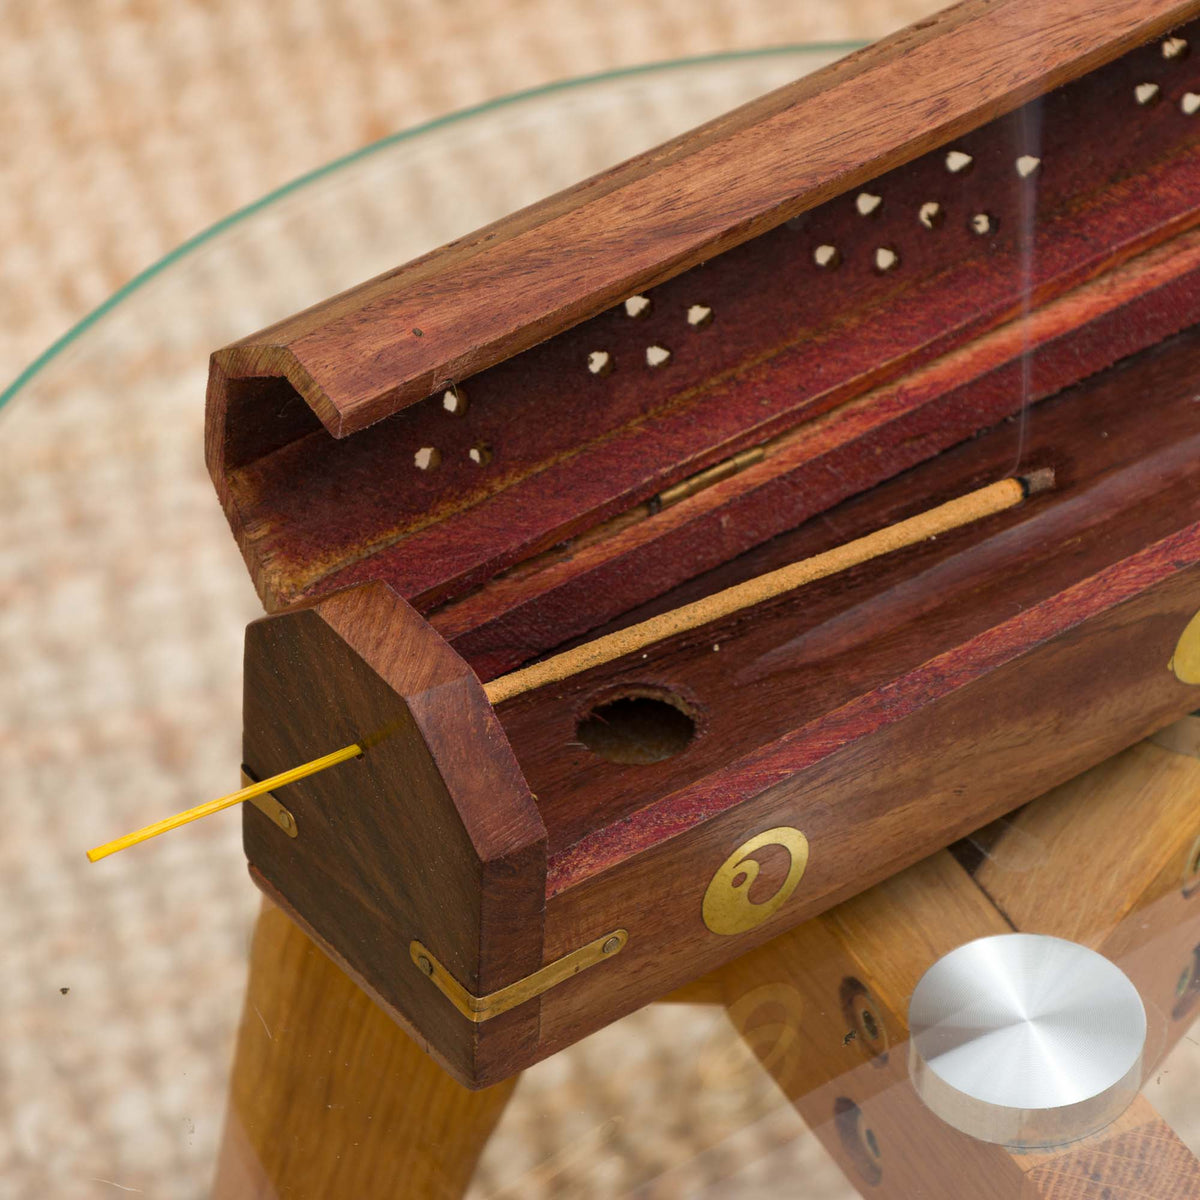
(1106, 860)
(329, 1097)
(1112, 860)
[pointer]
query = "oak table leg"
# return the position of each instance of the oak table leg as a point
(1108, 859)
(331, 1098)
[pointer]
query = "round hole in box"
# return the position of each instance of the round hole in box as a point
(639, 728)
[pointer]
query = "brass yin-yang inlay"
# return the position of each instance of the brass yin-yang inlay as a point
(727, 908)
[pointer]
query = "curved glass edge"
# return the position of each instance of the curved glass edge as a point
(186, 247)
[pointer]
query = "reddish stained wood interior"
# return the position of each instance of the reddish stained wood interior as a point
(323, 514)
(387, 343)
(1124, 446)
(557, 597)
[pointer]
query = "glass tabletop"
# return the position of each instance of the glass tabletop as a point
(157, 1029)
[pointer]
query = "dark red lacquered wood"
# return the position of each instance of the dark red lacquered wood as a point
(820, 464)
(1127, 475)
(883, 712)
(565, 450)
(376, 348)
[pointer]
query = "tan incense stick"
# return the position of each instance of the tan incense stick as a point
(974, 506)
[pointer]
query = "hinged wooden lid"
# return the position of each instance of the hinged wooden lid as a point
(312, 512)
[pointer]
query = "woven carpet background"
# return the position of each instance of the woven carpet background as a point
(130, 124)
(126, 128)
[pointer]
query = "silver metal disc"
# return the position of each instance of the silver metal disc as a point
(1026, 1040)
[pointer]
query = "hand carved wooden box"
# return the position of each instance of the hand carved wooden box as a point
(967, 254)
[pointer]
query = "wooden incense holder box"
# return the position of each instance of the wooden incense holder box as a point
(968, 252)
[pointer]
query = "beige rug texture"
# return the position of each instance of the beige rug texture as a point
(125, 129)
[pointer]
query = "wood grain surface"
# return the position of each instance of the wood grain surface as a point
(873, 787)
(1112, 858)
(805, 472)
(1130, 820)
(447, 315)
(329, 1096)
(430, 834)
(541, 452)
(1124, 479)
(838, 1048)
(1138, 1155)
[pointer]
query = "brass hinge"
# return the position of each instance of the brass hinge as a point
(706, 478)
(483, 1008)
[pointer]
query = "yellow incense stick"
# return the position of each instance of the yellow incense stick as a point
(204, 810)
(961, 511)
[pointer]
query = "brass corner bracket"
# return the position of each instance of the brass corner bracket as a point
(483, 1008)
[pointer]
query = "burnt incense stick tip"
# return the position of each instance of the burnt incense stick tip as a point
(1041, 480)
